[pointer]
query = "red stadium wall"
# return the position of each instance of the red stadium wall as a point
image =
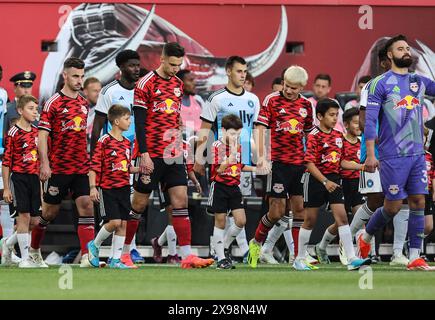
(333, 40)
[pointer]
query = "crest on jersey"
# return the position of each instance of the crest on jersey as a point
(413, 86)
(394, 189)
(177, 92)
(146, 179)
(303, 112)
(358, 154)
(84, 109)
(339, 142)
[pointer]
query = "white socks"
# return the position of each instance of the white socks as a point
(304, 238)
(218, 239)
(361, 217)
(231, 234)
(327, 238)
(102, 235)
(118, 244)
(400, 222)
(24, 243)
(346, 239)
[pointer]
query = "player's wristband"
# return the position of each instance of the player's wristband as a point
(92, 186)
(325, 181)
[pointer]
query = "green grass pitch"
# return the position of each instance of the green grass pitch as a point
(152, 281)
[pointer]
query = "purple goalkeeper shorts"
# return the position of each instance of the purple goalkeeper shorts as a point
(403, 176)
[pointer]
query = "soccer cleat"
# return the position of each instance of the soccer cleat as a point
(26, 263)
(157, 255)
(192, 261)
(173, 259)
(419, 264)
(302, 265)
(424, 257)
(322, 256)
(399, 260)
(126, 259)
(245, 257)
(342, 254)
(310, 260)
(364, 247)
(6, 253)
(93, 255)
(15, 259)
(136, 257)
(225, 264)
(356, 263)
(84, 261)
(375, 259)
(267, 257)
(117, 264)
(228, 255)
(36, 258)
(254, 253)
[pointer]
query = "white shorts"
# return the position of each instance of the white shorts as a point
(370, 182)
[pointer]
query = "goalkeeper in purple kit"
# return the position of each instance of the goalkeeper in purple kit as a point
(395, 99)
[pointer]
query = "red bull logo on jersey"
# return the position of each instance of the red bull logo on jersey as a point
(168, 106)
(409, 102)
(76, 124)
(293, 126)
(31, 156)
(120, 166)
(333, 157)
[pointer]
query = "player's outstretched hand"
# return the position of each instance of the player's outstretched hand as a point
(95, 195)
(7, 196)
(331, 186)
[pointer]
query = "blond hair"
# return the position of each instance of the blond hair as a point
(296, 75)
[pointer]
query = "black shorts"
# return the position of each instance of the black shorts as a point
(59, 185)
(171, 175)
(352, 197)
(26, 192)
(164, 198)
(285, 180)
(315, 193)
(223, 198)
(115, 203)
(429, 207)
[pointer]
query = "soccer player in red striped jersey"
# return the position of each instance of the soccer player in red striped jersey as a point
(20, 171)
(169, 235)
(225, 194)
(350, 168)
(158, 148)
(109, 180)
(322, 184)
(65, 164)
(289, 117)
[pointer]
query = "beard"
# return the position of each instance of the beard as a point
(404, 62)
